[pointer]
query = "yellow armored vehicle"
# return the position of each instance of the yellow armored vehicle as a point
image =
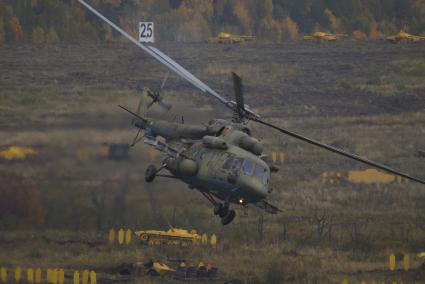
(421, 258)
(322, 36)
(402, 36)
(229, 38)
(173, 236)
(18, 153)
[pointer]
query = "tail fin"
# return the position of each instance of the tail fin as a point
(144, 103)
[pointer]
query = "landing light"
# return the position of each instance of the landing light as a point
(240, 201)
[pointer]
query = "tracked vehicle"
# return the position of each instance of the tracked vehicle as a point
(174, 236)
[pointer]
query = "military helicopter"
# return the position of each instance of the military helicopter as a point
(222, 160)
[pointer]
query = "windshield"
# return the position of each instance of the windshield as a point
(248, 167)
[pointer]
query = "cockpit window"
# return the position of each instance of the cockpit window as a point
(259, 171)
(228, 162)
(248, 167)
(262, 174)
(237, 164)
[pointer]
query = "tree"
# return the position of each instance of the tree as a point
(374, 33)
(38, 35)
(52, 36)
(290, 28)
(359, 35)
(333, 20)
(242, 14)
(265, 8)
(16, 29)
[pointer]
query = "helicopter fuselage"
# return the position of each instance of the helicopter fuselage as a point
(233, 174)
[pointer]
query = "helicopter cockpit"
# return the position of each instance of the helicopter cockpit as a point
(248, 168)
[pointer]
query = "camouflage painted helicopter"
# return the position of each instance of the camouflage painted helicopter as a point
(402, 36)
(222, 159)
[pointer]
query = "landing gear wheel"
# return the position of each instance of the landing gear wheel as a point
(150, 173)
(228, 218)
(224, 211)
(220, 210)
(144, 237)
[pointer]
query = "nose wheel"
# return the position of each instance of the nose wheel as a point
(222, 210)
(228, 218)
(227, 215)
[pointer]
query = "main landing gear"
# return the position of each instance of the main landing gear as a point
(151, 172)
(221, 209)
(227, 215)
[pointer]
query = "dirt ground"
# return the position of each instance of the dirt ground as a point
(366, 97)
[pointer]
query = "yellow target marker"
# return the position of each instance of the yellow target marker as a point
(76, 277)
(213, 240)
(3, 275)
(111, 237)
(18, 274)
(38, 276)
(406, 263)
(128, 237)
(85, 277)
(61, 276)
(121, 236)
(92, 277)
(392, 262)
(30, 275)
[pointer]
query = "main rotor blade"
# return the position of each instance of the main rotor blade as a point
(162, 58)
(340, 151)
(237, 86)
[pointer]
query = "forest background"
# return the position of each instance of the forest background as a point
(55, 21)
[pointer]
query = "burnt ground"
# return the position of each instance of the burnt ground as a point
(367, 97)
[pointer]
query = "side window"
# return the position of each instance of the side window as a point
(248, 167)
(262, 174)
(259, 171)
(228, 162)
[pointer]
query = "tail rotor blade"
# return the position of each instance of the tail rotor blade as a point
(164, 105)
(164, 81)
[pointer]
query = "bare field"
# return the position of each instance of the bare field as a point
(366, 97)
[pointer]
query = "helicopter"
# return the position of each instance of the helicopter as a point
(222, 159)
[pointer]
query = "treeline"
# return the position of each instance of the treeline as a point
(54, 21)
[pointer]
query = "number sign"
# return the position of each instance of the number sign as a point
(146, 32)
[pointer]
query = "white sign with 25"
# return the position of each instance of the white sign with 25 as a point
(146, 32)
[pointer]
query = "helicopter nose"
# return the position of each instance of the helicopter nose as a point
(252, 187)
